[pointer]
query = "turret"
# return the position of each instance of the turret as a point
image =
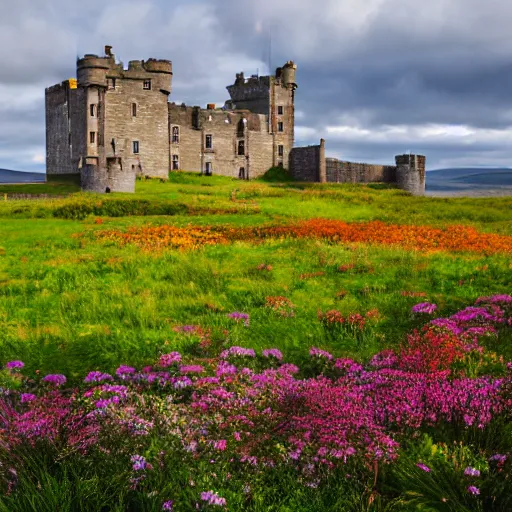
(162, 71)
(92, 70)
(410, 173)
(288, 74)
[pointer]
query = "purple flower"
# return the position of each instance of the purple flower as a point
(15, 365)
(424, 307)
(97, 377)
(123, 370)
(27, 397)
(317, 352)
(475, 491)
(273, 352)
(423, 467)
(167, 505)
(212, 498)
(495, 299)
(469, 471)
(224, 368)
(55, 378)
(237, 352)
(167, 360)
(237, 316)
(192, 368)
(139, 463)
(498, 458)
(385, 359)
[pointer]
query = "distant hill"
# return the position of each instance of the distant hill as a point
(469, 179)
(7, 176)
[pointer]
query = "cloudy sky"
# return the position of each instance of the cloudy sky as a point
(376, 77)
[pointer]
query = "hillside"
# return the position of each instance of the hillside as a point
(470, 181)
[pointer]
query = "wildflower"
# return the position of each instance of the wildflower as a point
(15, 365)
(191, 368)
(224, 368)
(469, 471)
(167, 505)
(212, 498)
(237, 316)
(424, 307)
(220, 445)
(498, 458)
(475, 491)
(123, 370)
(97, 377)
(167, 360)
(237, 352)
(55, 379)
(423, 467)
(27, 397)
(273, 352)
(316, 352)
(139, 463)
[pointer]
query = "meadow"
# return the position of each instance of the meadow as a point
(209, 343)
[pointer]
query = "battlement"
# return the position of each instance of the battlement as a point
(93, 70)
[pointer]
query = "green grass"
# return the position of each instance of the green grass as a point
(55, 185)
(69, 303)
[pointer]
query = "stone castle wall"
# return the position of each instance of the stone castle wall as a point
(309, 164)
(65, 128)
(339, 171)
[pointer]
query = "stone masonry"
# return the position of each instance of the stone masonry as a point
(113, 123)
(310, 164)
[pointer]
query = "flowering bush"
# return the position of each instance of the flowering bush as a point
(220, 414)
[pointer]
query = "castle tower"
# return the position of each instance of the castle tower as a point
(410, 173)
(273, 96)
(113, 125)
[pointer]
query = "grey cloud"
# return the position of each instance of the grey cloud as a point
(363, 64)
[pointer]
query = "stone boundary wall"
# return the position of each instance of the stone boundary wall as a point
(339, 171)
(308, 163)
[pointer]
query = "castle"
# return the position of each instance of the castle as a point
(111, 124)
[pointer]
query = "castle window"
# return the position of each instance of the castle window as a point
(92, 137)
(280, 163)
(111, 83)
(135, 147)
(175, 162)
(280, 110)
(241, 127)
(208, 143)
(92, 109)
(146, 85)
(134, 109)
(280, 150)
(280, 127)
(241, 173)
(241, 148)
(208, 168)
(175, 135)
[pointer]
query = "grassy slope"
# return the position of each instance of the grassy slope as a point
(70, 304)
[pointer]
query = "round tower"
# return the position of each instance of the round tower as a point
(410, 173)
(162, 69)
(288, 74)
(92, 70)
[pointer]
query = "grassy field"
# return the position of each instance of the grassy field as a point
(74, 299)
